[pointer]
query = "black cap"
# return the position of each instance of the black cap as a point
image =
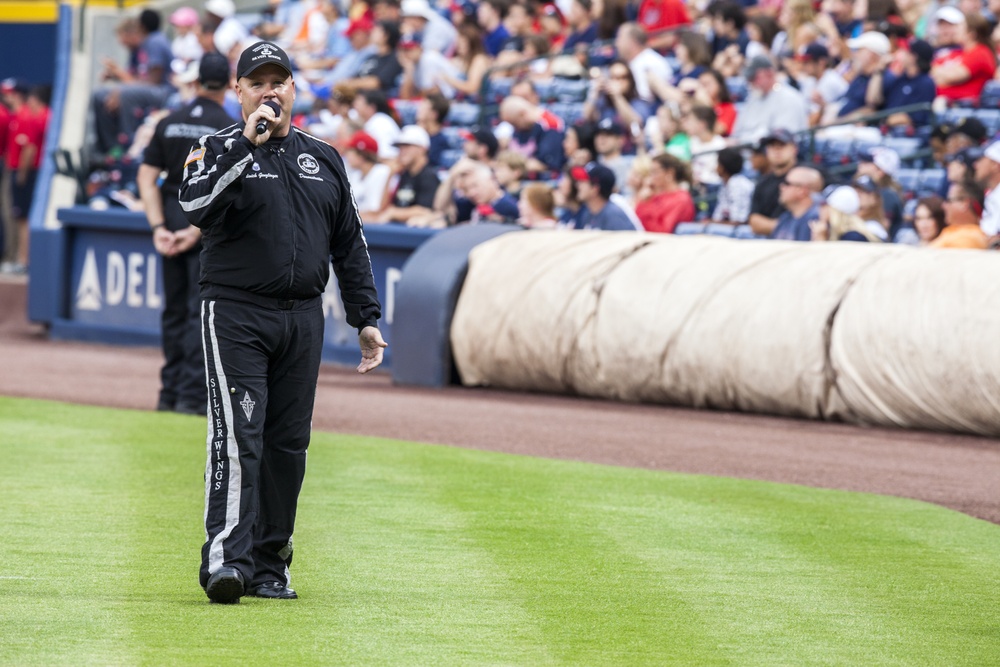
(484, 136)
(971, 127)
(814, 51)
(259, 54)
(866, 184)
(598, 175)
(610, 126)
(213, 71)
(779, 136)
(922, 50)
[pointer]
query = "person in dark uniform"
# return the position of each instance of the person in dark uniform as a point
(274, 207)
(182, 378)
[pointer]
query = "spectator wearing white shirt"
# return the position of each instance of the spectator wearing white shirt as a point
(424, 71)
(369, 179)
(630, 42)
(736, 193)
(770, 106)
(988, 176)
(439, 35)
(699, 124)
(376, 116)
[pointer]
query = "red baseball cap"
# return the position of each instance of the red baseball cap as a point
(362, 141)
(363, 24)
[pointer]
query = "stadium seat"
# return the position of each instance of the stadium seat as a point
(931, 181)
(450, 157)
(500, 88)
(545, 90)
(908, 178)
(689, 228)
(465, 114)
(738, 88)
(745, 232)
(570, 112)
(455, 136)
(990, 97)
(720, 229)
(570, 90)
(907, 147)
(909, 208)
(407, 110)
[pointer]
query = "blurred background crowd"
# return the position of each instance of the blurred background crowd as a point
(870, 120)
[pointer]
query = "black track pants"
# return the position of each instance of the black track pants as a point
(183, 373)
(261, 364)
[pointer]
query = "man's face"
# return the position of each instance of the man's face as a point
(269, 82)
(360, 39)
(986, 170)
(780, 155)
(409, 155)
(947, 33)
(764, 80)
(794, 188)
(607, 143)
(584, 190)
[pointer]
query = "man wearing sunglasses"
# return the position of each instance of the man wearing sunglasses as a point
(797, 190)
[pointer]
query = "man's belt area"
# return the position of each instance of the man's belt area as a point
(274, 303)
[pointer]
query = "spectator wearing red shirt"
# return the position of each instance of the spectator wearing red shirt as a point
(24, 157)
(669, 203)
(656, 16)
(962, 74)
(5, 119)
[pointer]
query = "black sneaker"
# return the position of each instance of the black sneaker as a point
(274, 590)
(225, 586)
(164, 405)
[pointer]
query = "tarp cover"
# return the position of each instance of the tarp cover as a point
(861, 332)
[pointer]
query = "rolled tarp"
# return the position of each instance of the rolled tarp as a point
(772, 327)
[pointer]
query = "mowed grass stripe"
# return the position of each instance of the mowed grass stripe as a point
(415, 554)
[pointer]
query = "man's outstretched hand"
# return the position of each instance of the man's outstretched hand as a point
(371, 349)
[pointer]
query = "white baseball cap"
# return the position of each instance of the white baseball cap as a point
(871, 40)
(949, 14)
(886, 159)
(993, 151)
(418, 8)
(221, 8)
(845, 199)
(413, 135)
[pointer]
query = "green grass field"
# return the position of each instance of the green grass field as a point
(412, 554)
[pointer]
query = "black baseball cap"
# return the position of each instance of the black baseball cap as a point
(866, 184)
(596, 174)
(971, 127)
(213, 71)
(610, 126)
(779, 136)
(262, 53)
(484, 136)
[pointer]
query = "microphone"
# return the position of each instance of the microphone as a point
(262, 125)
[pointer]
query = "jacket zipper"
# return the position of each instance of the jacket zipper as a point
(291, 218)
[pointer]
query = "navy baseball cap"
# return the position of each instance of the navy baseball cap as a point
(213, 71)
(260, 54)
(610, 126)
(779, 136)
(485, 137)
(595, 174)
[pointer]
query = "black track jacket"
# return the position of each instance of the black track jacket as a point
(271, 218)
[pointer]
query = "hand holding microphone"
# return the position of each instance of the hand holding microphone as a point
(262, 123)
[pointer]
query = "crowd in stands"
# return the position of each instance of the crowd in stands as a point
(839, 120)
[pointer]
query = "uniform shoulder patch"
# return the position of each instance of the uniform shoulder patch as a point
(194, 156)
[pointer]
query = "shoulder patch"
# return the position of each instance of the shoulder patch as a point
(194, 156)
